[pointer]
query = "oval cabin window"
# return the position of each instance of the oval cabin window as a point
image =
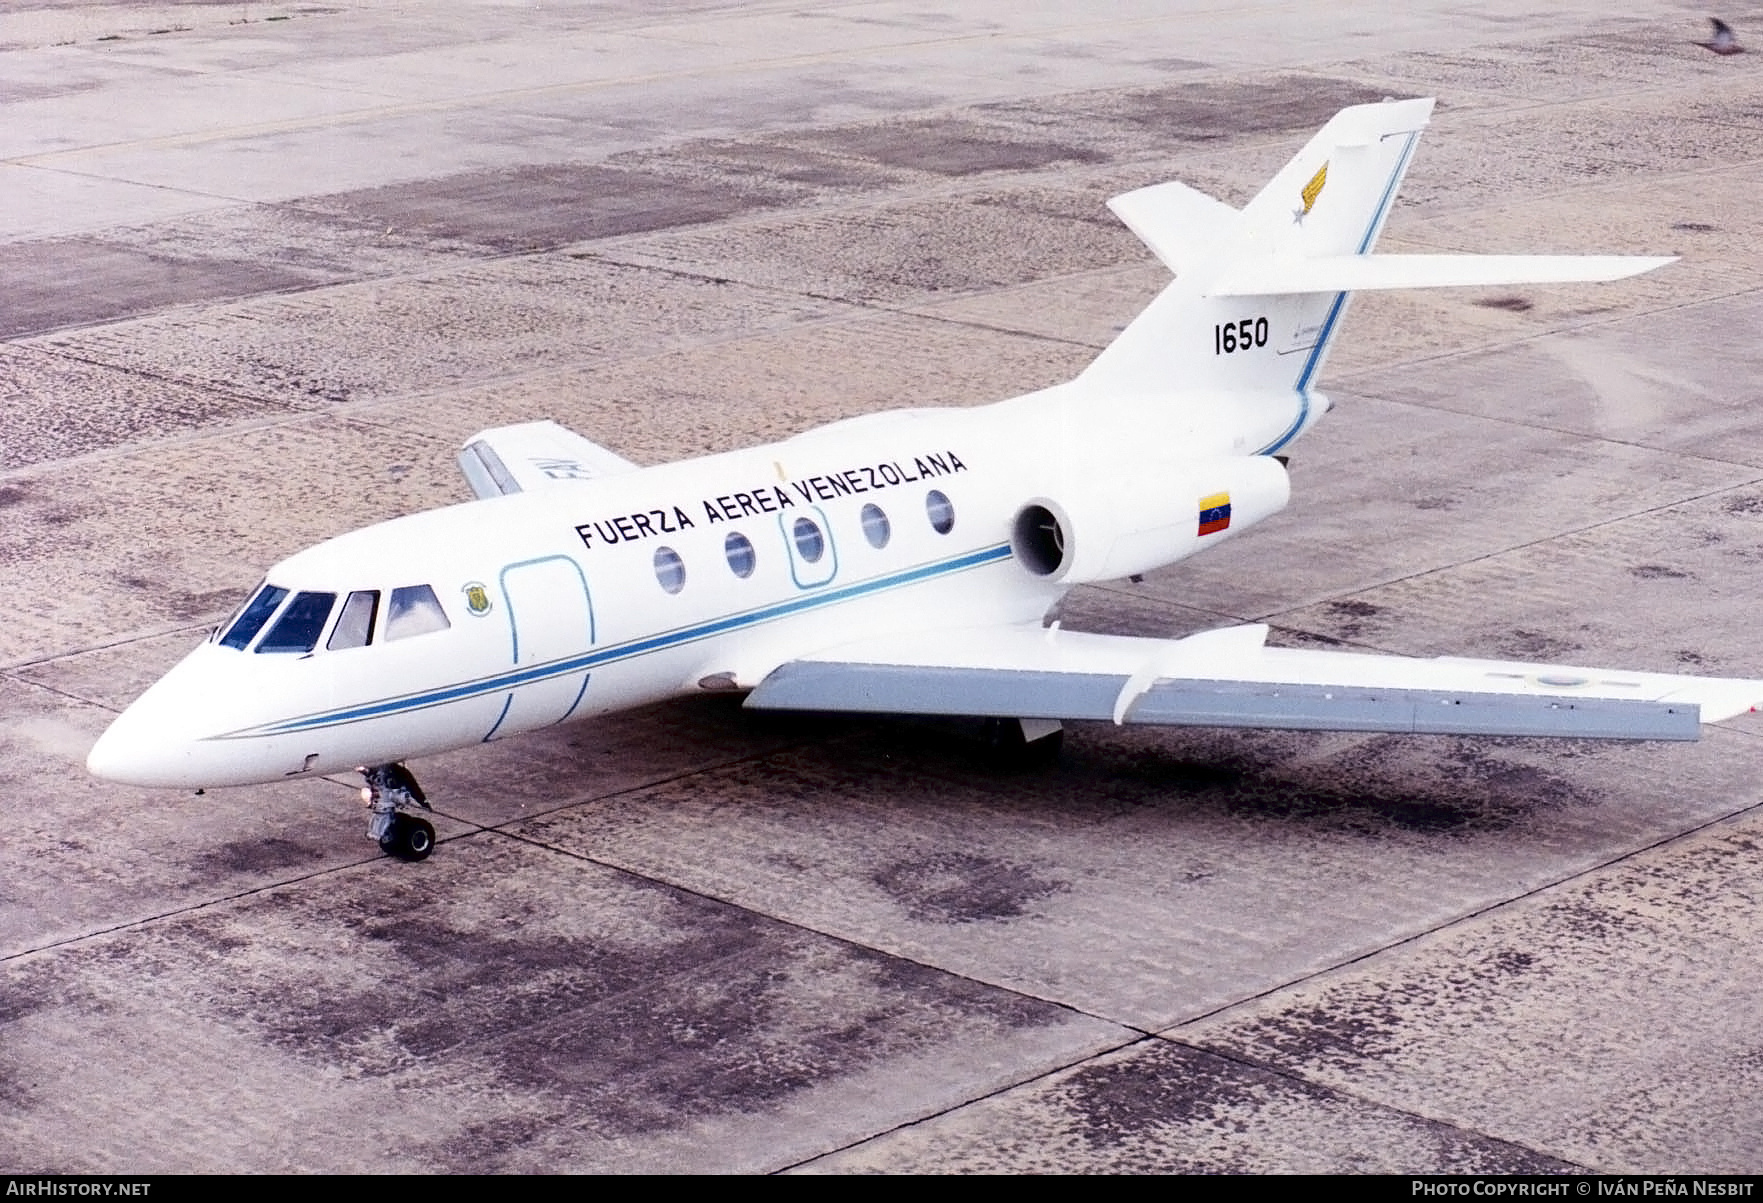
(670, 570)
(940, 510)
(741, 557)
(875, 526)
(810, 543)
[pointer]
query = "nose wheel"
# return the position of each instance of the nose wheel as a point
(410, 838)
(389, 789)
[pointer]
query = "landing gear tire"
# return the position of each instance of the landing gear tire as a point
(410, 838)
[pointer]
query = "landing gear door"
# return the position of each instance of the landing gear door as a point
(550, 624)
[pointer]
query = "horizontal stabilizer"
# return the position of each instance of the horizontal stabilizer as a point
(1229, 678)
(534, 455)
(1355, 273)
(1180, 224)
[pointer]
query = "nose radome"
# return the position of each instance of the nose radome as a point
(158, 741)
(185, 731)
(127, 754)
(109, 758)
(106, 759)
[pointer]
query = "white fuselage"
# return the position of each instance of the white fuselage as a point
(598, 595)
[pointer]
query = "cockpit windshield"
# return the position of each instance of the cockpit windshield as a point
(252, 617)
(298, 628)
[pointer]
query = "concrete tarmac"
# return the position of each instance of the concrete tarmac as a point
(267, 264)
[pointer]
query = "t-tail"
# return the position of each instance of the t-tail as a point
(1260, 292)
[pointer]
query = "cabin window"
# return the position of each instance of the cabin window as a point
(940, 510)
(414, 610)
(297, 630)
(251, 619)
(670, 570)
(810, 543)
(741, 557)
(355, 625)
(875, 526)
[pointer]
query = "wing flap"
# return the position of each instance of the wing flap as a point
(534, 455)
(995, 693)
(1229, 678)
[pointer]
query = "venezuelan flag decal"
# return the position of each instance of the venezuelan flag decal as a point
(1214, 513)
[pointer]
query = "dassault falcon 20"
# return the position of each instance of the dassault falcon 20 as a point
(903, 562)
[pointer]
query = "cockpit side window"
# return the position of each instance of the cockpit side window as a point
(414, 610)
(253, 616)
(298, 628)
(355, 625)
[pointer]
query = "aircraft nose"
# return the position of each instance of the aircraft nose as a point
(129, 754)
(158, 740)
(107, 760)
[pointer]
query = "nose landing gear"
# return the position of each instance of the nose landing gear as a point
(390, 788)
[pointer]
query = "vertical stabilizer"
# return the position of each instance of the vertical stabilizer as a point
(1329, 201)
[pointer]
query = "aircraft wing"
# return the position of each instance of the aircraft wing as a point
(534, 455)
(1230, 678)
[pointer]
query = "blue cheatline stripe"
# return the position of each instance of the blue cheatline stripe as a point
(1340, 303)
(625, 651)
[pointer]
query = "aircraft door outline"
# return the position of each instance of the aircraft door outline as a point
(544, 586)
(808, 540)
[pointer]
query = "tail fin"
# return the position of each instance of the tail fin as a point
(1329, 201)
(1260, 292)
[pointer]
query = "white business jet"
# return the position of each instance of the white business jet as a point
(903, 562)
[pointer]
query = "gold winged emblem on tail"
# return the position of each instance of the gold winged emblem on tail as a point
(1312, 190)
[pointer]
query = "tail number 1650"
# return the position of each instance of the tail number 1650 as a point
(1245, 335)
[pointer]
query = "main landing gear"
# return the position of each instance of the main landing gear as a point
(390, 788)
(1017, 744)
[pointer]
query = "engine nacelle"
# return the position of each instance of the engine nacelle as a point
(1120, 524)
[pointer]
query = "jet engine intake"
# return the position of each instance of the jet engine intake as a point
(1112, 525)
